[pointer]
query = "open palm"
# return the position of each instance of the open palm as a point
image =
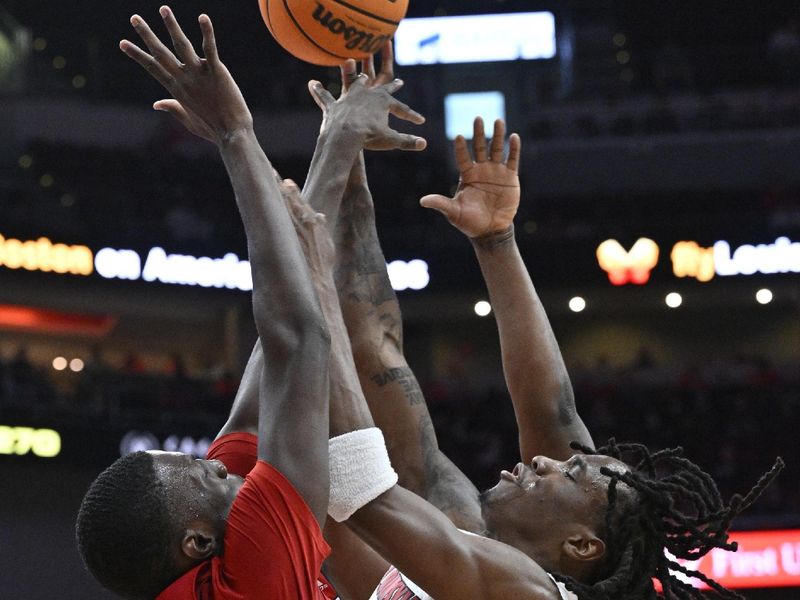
(488, 192)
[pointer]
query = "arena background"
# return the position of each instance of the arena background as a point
(672, 121)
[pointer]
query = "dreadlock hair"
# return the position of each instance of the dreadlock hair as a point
(679, 509)
(124, 529)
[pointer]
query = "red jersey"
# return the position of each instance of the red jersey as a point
(274, 547)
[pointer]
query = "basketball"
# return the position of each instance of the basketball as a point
(327, 32)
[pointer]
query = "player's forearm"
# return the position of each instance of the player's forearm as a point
(284, 301)
(336, 150)
(372, 314)
(534, 368)
(291, 326)
(426, 547)
(348, 408)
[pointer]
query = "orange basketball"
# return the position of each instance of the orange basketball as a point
(326, 32)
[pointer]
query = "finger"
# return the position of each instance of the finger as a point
(183, 47)
(438, 202)
(176, 109)
(498, 138)
(349, 73)
(404, 141)
(387, 63)
(321, 96)
(368, 67)
(463, 159)
(405, 112)
(479, 140)
(160, 53)
(149, 63)
(210, 51)
(393, 85)
(311, 90)
(291, 185)
(514, 149)
(360, 79)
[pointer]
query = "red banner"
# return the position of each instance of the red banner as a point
(765, 559)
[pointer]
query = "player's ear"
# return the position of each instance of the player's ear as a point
(584, 547)
(199, 543)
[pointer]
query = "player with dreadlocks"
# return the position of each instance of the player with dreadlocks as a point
(596, 525)
(681, 512)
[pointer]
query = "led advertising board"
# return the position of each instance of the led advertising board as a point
(460, 111)
(475, 38)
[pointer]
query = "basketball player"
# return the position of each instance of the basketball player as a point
(246, 522)
(586, 521)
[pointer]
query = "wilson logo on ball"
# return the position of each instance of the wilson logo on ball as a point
(327, 32)
(354, 38)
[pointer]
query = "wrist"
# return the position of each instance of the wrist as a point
(343, 135)
(495, 240)
(234, 136)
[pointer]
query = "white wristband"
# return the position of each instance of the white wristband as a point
(360, 471)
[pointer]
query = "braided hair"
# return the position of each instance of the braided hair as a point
(675, 507)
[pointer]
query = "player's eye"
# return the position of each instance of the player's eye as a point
(568, 475)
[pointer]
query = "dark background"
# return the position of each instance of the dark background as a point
(670, 120)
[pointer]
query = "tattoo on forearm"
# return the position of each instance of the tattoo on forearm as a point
(405, 378)
(361, 272)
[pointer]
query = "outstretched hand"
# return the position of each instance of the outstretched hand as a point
(488, 191)
(366, 102)
(205, 98)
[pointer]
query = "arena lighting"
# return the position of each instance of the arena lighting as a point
(229, 272)
(408, 275)
(673, 300)
(26, 318)
(689, 259)
(44, 255)
(482, 308)
(59, 363)
(475, 38)
(765, 559)
(764, 296)
(460, 111)
(781, 257)
(135, 441)
(577, 304)
(628, 266)
(44, 443)
(76, 365)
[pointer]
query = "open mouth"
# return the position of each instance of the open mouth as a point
(514, 476)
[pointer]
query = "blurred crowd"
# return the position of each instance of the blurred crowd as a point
(732, 416)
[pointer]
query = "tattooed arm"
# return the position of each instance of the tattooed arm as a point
(373, 319)
(374, 322)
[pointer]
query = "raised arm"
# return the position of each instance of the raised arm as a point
(338, 145)
(397, 523)
(372, 314)
(483, 208)
(290, 323)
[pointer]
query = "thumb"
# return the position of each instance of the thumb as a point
(177, 110)
(171, 106)
(438, 202)
(321, 96)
